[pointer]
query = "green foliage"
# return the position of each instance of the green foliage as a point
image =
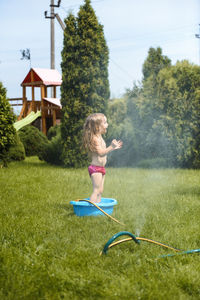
(7, 118)
(47, 252)
(154, 62)
(162, 118)
(53, 131)
(34, 141)
(53, 150)
(85, 87)
(120, 127)
(116, 114)
(154, 163)
(171, 106)
(179, 103)
(16, 150)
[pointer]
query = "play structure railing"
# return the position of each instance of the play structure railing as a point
(16, 100)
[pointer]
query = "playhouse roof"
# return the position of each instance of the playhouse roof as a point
(37, 77)
(54, 101)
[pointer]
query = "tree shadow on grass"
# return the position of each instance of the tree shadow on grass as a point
(41, 164)
(187, 191)
(34, 161)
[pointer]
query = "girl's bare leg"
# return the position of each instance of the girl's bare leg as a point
(101, 189)
(97, 185)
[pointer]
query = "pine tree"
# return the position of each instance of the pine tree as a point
(7, 130)
(85, 87)
(93, 59)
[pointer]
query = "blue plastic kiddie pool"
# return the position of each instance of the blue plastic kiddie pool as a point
(82, 208)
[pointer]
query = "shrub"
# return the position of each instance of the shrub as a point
(53, 131)
(34, 141)
(7, 130)
(53, 150)
(16, 151)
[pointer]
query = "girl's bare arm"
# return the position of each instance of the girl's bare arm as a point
(104, 151)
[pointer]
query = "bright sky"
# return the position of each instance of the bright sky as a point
(131, 27)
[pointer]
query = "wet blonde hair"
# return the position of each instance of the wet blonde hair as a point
(90, 129)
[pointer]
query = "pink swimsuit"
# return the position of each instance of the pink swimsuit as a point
(96, 169)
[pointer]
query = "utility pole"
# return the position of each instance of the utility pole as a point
(198, 37)
(52, 36)
(52, 31)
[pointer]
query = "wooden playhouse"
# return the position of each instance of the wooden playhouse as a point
(46, 80)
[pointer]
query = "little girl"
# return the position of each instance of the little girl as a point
(96, 125)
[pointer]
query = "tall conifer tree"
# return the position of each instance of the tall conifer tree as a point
(85, 87)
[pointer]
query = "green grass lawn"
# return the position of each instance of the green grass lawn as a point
(49, 253)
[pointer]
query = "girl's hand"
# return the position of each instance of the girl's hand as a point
(116, 144)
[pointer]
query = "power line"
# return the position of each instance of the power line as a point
(122, 69)
(198, 37)
(77, 5)
(152, 34)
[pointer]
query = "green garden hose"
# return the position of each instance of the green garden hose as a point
(181, 253)
(110, 243)
(134, 238)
